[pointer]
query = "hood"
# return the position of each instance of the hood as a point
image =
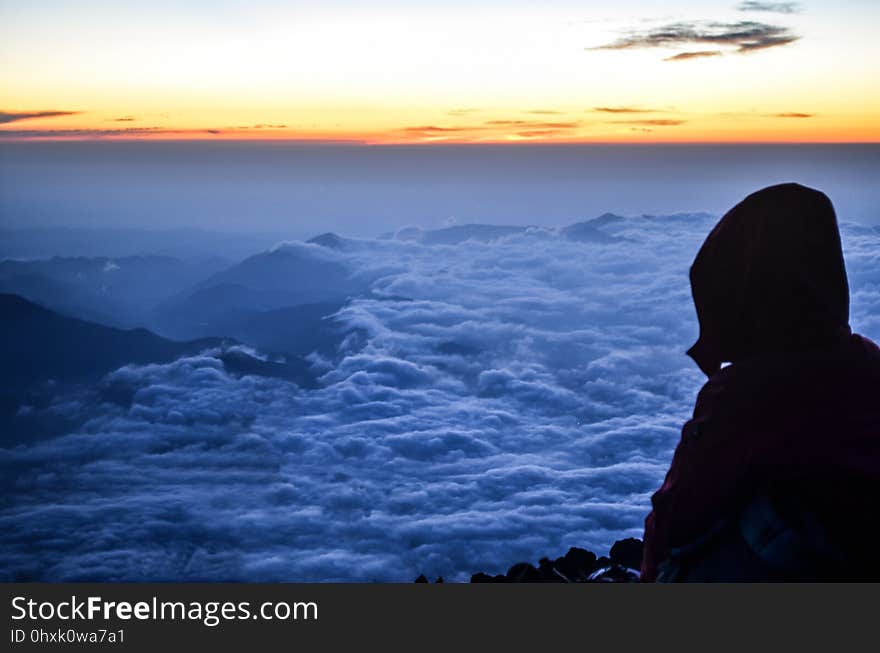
(770, 277)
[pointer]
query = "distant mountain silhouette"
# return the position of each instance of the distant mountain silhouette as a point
(299, 275)
(588, 231)
(43, 352)
(329, 240)
(604, 220)
(285, 277)
(37, 344)
(64, 297)
(115, 291)
(299, 329)
(461, 233)
(484, 233)
(183, 243)
(234, 312)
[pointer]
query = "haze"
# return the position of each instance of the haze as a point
(297, 191)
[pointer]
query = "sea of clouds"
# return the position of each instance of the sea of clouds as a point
(494, 402)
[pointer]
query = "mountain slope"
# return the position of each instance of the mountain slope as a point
(38, 345)
(44, 354)
(291, 275)
(117, 291)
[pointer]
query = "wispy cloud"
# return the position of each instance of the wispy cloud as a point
(100, 133)
(791, 114)
(489, 128)
(624, 110)
(742, 36)
(658, 122)
(545, 112)
(697, 54)
(260, 126)
(434, 129)
(540, 133)
(533, 124)
(435, 132)
(464, 111)
(771, 7)
(14, 116)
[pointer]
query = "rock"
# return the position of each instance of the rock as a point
(480, 577)
(614, 574)
(547, 569)
(577, 564)
(627, 553)
(523, 572)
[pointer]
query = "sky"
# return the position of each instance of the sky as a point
(296, 191)
(435, 72)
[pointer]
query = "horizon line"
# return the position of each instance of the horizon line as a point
(424, 143)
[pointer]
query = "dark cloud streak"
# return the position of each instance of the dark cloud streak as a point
(14, 116)
(623, 110)
(698, 54)
(743, 36)
(771, 7)
(532, 124)
(530, 127)
(98, 133)
(659, 122)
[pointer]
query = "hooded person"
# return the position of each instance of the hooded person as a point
(777, 475)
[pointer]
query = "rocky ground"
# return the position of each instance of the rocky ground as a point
(577, 566)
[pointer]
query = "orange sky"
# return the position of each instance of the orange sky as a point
(634, 71)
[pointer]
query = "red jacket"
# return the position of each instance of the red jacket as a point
(792, 418)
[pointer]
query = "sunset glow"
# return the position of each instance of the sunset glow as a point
(637, 71)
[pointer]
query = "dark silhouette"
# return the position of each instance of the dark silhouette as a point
(44, 353)
(577, 566)
(777, 475)
(38, 345)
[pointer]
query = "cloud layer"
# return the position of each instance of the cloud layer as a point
(494, 401)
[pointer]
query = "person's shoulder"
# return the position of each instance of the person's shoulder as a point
(862, 357)
(865, 345)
